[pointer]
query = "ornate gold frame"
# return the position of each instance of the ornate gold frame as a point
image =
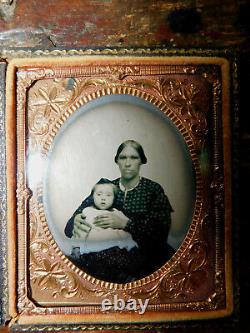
(206, 250)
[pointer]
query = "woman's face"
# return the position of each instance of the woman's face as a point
(129, 163)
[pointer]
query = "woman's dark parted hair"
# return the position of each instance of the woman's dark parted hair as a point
(134, 144)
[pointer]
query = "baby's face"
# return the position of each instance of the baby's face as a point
(103, 196)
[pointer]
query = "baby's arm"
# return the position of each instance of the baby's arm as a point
(88, 216)
(82, 222)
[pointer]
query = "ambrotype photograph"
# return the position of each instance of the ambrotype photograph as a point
(119, 189)
(118, 183)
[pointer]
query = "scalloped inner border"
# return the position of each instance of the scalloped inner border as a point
(198, 202)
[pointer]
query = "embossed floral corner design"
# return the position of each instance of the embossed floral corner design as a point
(47, 103)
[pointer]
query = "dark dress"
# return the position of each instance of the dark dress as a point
(149, 213)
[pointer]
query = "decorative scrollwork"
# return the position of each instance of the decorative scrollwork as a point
(186, 279)
(22, 193)
(217, 186)
(182, 97)
(51, 275)
(24, 304)
(119, 71)
(81, 86)
(37, 123)
(32, 75)
(48, 102)
(190, 275)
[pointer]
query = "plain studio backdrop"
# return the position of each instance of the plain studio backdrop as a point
(84, 149)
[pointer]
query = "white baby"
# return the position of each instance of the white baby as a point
(98, 239)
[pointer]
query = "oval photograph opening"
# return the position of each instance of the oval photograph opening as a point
(119, 188)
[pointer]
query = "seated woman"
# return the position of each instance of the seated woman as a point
(147, 217)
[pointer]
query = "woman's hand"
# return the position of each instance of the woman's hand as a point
(81, 227)
(111, 220)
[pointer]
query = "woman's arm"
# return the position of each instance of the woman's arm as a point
(69, 229)
(111, 220)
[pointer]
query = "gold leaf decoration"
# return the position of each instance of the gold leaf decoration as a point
(186, 279)
(47, 101)
(83, 85)
(22, 193)
(50, 100)
(49, 274)
(190, 275)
